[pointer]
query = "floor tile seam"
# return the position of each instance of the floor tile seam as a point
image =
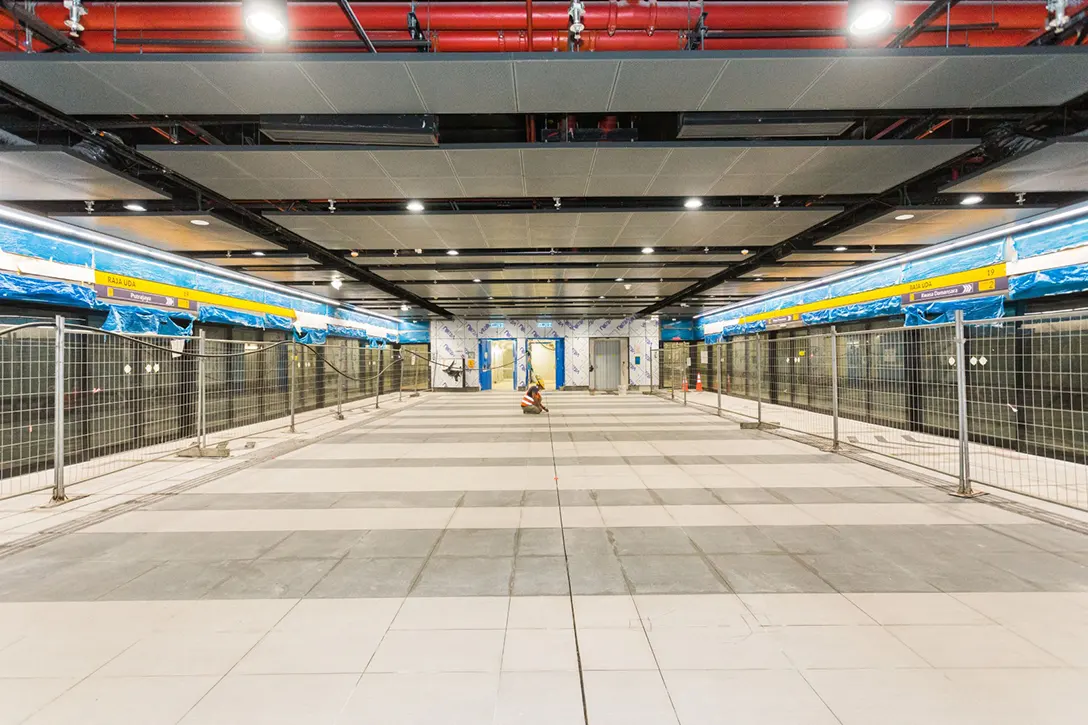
(142, 501)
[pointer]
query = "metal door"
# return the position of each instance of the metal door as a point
(606, 364)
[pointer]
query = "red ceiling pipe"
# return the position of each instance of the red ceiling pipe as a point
(618, 15)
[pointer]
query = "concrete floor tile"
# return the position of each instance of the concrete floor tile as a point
(310, 652)
(348, 616)
(24, 696)
(738, 647)
(273, 579)
(177, 580)
(417, 651)
(165, 654)
(596, 574)
(62, 656)
(976, 646)
(477, 542)
(804, 609)
(755, 697)
(539, 650)
(315, 545)
(865, 573)
(109, 700)
(731, 540)
(465, 577)
(628, 698)
(452, 613)
(355, 578)
(690, 610)
(615, 649)
(540, 612)
(653, 574)
(916, 608)
(639, 540)
(746, 573)
(399, 544)
(448, 698)
(539, 698)
(273, 699)
(540, 575)
(849, 647)
(540, 542)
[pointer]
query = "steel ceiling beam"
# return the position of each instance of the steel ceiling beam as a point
(1076, 24)
(174, 184)
(57, 39)
(920, 24)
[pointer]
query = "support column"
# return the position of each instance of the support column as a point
(292, 352)
(834, 389)
(964, 489)
(378, 386)
(58, 412)
(719, 347)
(759, 380)
(340, 380)
(201, 393)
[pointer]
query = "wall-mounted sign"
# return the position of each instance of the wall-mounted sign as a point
(120, 294)
(496, 325)
(985, 286)
(543, 324)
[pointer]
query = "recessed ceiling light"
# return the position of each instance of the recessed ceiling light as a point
(266, 19)
(693, 203)
(337, 283)
(490, 298)
(647, 250)
(619, 279)
(354, 253)
(199, 222)
(133, 206)
(601, 297)
(840, 249)
(971, 200)
(868, 16)
(744, 251)
(404, 308)
(452, 252)
(415, 205)
(904, 217)
(683, 304)
(759, 279)
(258, 254)
(476, 280)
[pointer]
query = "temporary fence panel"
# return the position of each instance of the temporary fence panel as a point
(27, 360)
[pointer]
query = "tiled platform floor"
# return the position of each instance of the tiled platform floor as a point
(623, 561)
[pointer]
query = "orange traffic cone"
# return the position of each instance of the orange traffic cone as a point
(684, 385)
(698, 382)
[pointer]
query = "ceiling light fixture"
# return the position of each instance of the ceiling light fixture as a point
(135, 206)
(693, 203)
(866, 17)
(199, 222)
(258, 254)
(354, 253)
(266, 20)
(647, 250)
(744, 251)
(337, 283)
(904, 217)
(619, 279)
(683, 304)
(415, 205)
(601, 297)
(452, 252)
(840, 249)
(476, 280)
(971, 200)
(404, 308)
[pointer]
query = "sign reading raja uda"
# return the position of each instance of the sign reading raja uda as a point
(120, 294)
(985, 286)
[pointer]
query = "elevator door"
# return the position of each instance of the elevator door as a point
(606, 364)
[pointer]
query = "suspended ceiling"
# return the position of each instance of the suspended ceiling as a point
(929, 226)
(173, 233)
(1060, 165)
(33, 173)
(549, 82)
(666, 170)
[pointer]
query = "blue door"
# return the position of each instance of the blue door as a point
(560, 363)
(484, 357)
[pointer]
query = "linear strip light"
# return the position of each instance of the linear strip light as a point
(1011, 228)
(92, 237)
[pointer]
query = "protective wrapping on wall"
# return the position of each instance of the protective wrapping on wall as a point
(338, 331)
(976, 257)
(227, 316)
(820, 317)
(862, 310)
(865, 282)
(1046, 282)
(939, 311)
(311, 337)
(678, 330)
(277, 322)
(1051, 239)
(50, 292)
(148, 321)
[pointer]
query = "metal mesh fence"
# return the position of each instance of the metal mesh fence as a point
(132, 399)
(1015, 416)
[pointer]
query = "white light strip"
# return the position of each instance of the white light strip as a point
(1053, 260)
(1013, 227)
(86, 235)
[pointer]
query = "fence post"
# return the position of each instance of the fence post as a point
(400, 376)
(719, 347)
(201, 394)
(58, 412)
(292, 351)
(834, 389)
(686, 382)
(378, 387)
(964, 488)
(340, 380)
(759, 380)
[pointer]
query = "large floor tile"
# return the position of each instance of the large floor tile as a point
(949, 646)
(111, 700)
(754, 697)
(273, 699)
(415, 651)
(628, 698)
(422, 699)
(539, 698)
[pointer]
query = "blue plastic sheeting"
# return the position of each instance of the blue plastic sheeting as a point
(70, 251)
(338, 331)
(415, 336)
(50, 292)
(863, 310)
(863, 283)
(933, 313)
(1046, 282)
(226, 316)
(820, 317)
(311, 337)
(148, 320)
(678, 330)
(960, 260)
(1052, 239)
(277, 322)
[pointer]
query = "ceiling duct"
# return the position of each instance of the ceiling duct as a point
(405, 130)
(715, 126)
